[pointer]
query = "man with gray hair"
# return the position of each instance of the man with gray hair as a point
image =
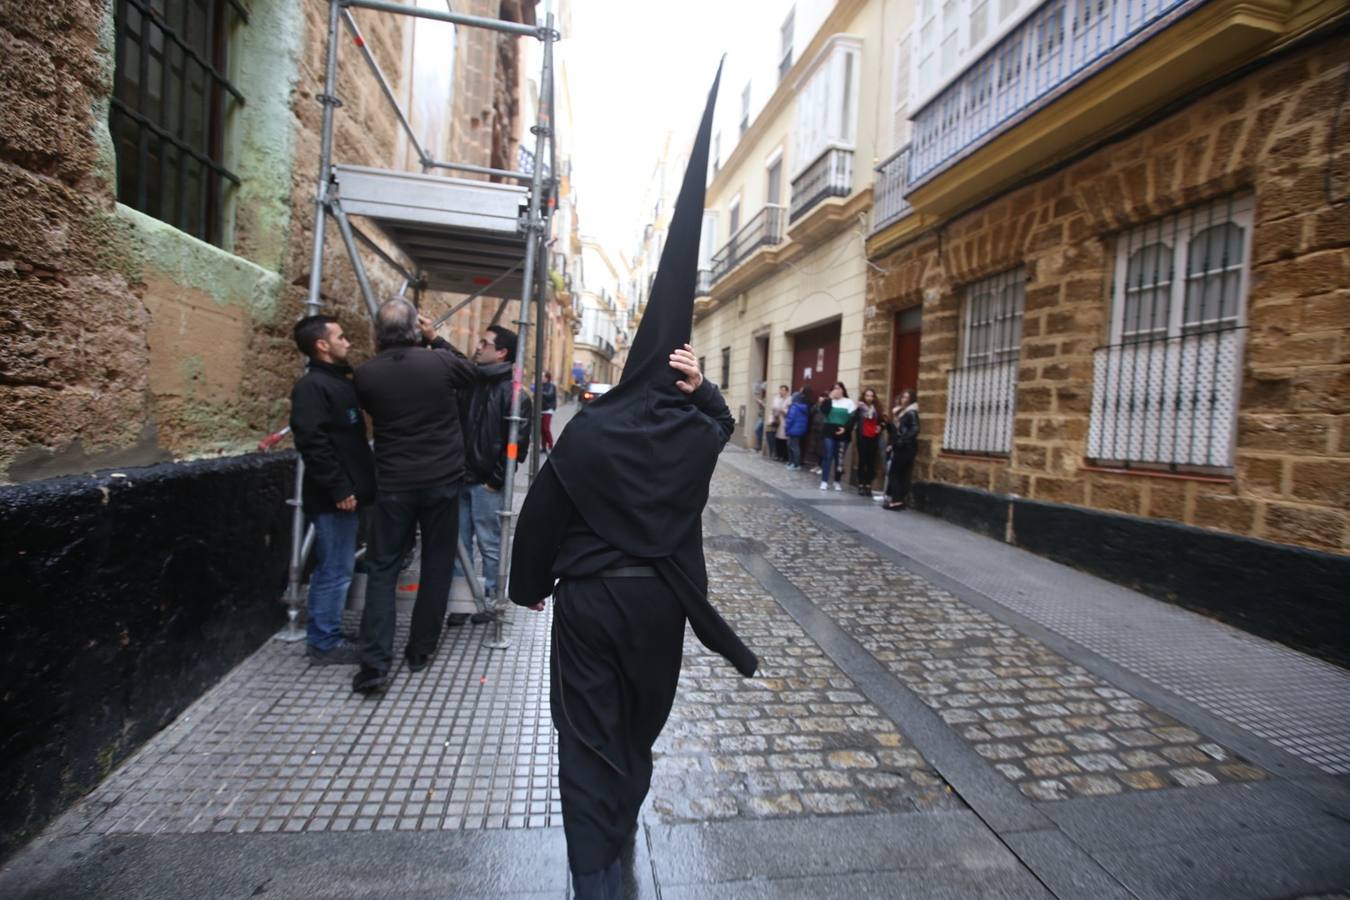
(409, 392)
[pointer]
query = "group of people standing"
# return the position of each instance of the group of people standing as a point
(799, 426)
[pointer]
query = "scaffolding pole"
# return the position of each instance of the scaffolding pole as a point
(536, 226)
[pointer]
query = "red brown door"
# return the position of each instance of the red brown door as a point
(905, 351)
(815, 357)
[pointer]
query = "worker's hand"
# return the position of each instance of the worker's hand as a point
(683, 360)
(427, 328)
(537, 607)
(347, 504)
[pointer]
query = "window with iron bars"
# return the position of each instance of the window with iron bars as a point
(1165, 389)
(726, 369)
(168, 112)
(982, 390)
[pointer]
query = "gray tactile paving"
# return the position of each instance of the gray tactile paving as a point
(1296, 702)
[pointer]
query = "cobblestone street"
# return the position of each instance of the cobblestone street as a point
(908, 734)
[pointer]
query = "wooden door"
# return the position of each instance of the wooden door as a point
(816, 352)
(905, 352)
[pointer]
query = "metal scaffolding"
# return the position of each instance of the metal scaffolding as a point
(453, 230)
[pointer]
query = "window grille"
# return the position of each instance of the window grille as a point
(726, 369)
(982, 390)
(170, 102)
(1165, 389)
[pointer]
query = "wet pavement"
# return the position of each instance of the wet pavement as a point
(914, 730)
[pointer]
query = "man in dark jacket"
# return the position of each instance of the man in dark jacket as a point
(485, 417)
(409, 392)
(330, 434)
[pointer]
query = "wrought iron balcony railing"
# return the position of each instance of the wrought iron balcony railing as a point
(765, 229)
(704, 286)
(888, 191)
(980, 405)
(1167, 401)
(1054, 47)
(829, 176)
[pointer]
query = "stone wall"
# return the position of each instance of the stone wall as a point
(1268, 132)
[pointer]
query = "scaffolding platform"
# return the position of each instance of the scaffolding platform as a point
(460, 234)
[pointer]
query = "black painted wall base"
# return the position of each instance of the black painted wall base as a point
(124, 599)
(1295, 596)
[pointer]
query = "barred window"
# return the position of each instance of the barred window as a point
(982, 390)
(171, 100)
(1165, 389)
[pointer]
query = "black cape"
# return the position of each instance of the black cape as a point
(636, 462)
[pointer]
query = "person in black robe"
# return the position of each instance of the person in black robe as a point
(615, 519)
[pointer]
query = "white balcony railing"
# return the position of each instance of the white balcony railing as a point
(980, 404)
(888, 193)
(1059, 44)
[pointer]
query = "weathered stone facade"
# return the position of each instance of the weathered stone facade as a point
(125, 341)
(1269, 132)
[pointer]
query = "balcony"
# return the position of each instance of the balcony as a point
(703, 287)
(765, 229)
(829, 176)
(889, 204)
(1051, 50)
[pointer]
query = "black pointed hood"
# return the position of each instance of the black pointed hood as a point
(637, 461)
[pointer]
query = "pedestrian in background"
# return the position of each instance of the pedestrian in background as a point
(330, 434)
(796, 423)
(780, 408)
(548, 402)
(868, 423)
(409, 391)
(485, 417)
(836, 410)
(759, 417)
(904, 447)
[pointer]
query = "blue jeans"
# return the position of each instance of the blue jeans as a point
(829, 462)
(479, 518)
(335, 554)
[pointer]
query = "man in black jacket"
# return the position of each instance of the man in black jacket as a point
(485, 415)
(409, 392)
(330, 434)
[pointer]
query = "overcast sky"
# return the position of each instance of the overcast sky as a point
(637, 68)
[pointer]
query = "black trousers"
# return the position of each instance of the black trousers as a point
(617, 646)
(901, 473)
(436, 511)
(867, 460)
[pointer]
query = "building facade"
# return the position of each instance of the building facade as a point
(597, 280)
(156, 228)
(784, 268)
(1112, 256)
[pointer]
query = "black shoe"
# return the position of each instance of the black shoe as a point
(370, 681)
(340, 654)
(455, 620)
(484, 618)
(417, 661)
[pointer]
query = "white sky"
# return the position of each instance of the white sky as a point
(638, 68)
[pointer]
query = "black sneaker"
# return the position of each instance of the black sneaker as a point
(340, 654)
(486, 617)
(417, 661)
(455, 620)
(370, 681)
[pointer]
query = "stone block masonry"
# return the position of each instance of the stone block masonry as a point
(1269, 133)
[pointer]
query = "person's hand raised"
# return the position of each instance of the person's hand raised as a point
(684, 361)
(428, 330)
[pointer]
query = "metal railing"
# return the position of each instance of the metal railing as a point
(1054, 47)
(888, 192)
(704, 285)
(980, 403)
(1167, 401)
(829, 176)
(765, 229)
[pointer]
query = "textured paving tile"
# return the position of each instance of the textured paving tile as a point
(798, 738)
(1048, 725)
